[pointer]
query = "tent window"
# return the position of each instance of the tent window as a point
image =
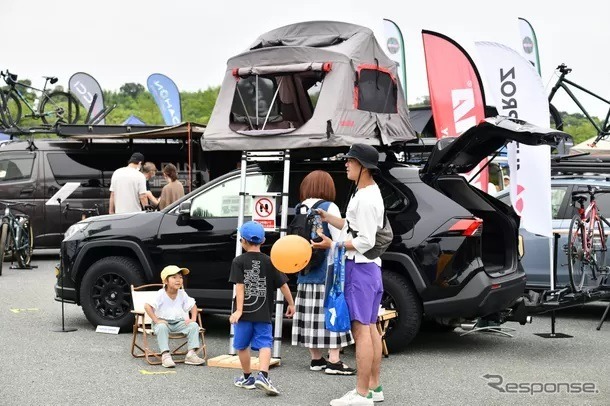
(377, 91)
(275, 102)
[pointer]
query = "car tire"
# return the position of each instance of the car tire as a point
(105, 293)
(400, 294)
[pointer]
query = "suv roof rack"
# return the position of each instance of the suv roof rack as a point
(581, 164)
(84, 131)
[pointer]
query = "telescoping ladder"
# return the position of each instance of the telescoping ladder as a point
(264, 156)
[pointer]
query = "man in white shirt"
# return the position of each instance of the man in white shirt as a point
(363, 283)
(128, 187)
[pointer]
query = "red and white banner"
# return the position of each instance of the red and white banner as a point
(456, 92)
(518, 92)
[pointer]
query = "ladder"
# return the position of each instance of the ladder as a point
(264, 156)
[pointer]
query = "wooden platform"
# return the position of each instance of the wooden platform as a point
(232, 361)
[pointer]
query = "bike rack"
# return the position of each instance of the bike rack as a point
(559, 299)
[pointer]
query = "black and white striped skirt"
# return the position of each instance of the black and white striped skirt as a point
(308, 321)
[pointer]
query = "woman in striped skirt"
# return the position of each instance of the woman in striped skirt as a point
(308, 329)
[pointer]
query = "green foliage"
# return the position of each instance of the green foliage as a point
(577, 125)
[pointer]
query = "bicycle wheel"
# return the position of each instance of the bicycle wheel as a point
(25, 245)
(3, 237)
(556, 120)
(577, 263)
(59, 107)
(10, 109)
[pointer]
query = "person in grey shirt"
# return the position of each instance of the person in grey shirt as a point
(128, 187)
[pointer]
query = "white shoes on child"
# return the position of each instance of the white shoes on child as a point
(167, 361)
(191, 359)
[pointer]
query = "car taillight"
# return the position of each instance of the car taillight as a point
(468, 227)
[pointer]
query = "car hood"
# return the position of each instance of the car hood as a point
(461, 154)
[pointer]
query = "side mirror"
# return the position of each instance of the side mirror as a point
(185, 208)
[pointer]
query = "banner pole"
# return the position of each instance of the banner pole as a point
(188, 136)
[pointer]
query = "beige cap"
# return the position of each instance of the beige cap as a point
(172, 270)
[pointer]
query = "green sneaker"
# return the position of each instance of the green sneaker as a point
(376, 394)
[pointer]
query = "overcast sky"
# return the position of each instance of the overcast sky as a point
(119, 41)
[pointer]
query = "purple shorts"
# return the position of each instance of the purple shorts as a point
(363, 290)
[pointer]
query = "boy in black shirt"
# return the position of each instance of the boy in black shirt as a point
(256, 280)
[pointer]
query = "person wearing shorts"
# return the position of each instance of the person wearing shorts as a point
(363, 283)
(256, 281)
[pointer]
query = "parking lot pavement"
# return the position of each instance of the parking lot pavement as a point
(40, 366)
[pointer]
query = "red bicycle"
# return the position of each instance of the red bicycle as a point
(586, 248)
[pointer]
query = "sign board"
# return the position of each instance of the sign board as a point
(263, 212)
(107, 329)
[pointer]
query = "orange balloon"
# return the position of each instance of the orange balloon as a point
(291, 253)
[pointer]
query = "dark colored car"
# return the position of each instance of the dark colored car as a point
(454, 254)
(33, 171)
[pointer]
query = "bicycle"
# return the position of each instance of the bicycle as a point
(16, 236)
(50, 107)
(603, 130)
(586, 246)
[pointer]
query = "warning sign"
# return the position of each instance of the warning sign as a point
(264, 212)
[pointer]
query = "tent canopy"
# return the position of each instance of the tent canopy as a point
(309, 85)
(601, 148)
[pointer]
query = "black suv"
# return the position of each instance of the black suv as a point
(34, 170)
(454, 254)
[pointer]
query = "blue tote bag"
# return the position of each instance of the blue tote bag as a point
(336, 313)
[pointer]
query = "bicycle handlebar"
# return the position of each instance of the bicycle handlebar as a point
(564, 69)
(95, 210)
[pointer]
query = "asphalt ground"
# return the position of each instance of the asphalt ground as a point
(40, 366)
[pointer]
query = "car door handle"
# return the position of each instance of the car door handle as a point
(234, 236)
(26, 191)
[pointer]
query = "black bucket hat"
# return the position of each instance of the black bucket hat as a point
(367, 155)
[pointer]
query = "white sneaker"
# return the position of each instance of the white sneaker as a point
(193, 359)
(167, 361)
(352, 398)
(376, 396)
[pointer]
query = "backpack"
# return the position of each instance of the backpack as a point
(305, 225)
(383, 238)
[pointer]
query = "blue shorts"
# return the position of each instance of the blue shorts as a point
(253, 334)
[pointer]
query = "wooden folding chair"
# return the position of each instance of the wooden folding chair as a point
(143, 333)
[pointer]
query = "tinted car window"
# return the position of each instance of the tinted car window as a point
(66, 168)
(222, 200)
(16, 167)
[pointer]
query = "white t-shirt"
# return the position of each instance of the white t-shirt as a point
(333, 209)
(365, 215)
(128, 184)
(176, 309)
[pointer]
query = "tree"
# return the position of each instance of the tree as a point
(132, 89)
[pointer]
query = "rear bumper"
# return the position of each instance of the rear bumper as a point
(482, 296)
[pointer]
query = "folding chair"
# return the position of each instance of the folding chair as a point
(142, 326)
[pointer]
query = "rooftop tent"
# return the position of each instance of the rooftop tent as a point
(309, 85)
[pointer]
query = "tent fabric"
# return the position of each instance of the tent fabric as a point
(133, 120)
(335, 120)
(601, 148)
